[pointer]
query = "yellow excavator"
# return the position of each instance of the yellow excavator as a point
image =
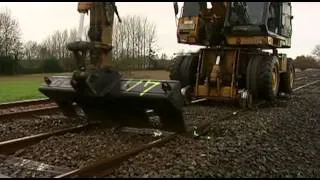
(232, 64)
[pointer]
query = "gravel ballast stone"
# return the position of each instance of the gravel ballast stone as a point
(18, 172)
(278, 141)
(24, 108)
(22, 127)
(78, 150)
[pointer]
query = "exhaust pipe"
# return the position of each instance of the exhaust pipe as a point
(187, 97)
(80, 28)
(184, 90)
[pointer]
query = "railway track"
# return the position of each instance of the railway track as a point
(25, 108)
(11, 146)
(36, 106)
(29, 112)
(104, 166)
(25, 103)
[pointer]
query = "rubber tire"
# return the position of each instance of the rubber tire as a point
(267, 65)
(285, 78)
(184, 70)
(175, 69)
(253, 75)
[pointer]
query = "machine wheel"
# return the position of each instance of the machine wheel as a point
(287, 78)
(184, 70)
(269, 78)
(175, 69)
(252, 77)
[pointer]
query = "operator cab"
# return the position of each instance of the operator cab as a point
(259, 18)
(199, 25)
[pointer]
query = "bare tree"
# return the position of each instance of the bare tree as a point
(72, 35)
(31, 50)
(116, 36)
(163, 56)
(17, 50)
(316, 52)
(55, 45)
(305, 62)
(9, 34)
(134, 40)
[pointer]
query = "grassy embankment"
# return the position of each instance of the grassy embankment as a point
(22, 87)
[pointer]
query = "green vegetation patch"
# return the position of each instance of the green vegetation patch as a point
(16, 88)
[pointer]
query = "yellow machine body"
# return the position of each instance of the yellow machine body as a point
(231, 65)
(234, 35)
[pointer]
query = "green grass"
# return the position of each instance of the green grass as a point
(23, 87)
(16, 88)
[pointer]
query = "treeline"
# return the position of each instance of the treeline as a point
(306, 62)
(134, 41)
(17, 56)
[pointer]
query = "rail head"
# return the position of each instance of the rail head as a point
(104, 166)
(25, 102)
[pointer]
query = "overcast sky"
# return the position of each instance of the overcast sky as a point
(40, 19)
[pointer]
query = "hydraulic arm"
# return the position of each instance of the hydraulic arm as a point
(99, 89)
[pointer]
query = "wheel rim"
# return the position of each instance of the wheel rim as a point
(274, 80)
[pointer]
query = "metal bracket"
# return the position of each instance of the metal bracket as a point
(245, 98)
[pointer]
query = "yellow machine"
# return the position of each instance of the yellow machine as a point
(232, 65)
